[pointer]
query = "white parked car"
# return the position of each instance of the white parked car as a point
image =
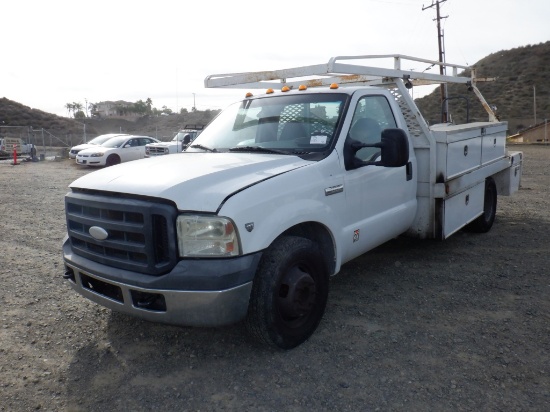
(92, 143)
(116, 150)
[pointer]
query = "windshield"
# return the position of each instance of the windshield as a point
(288, 124)
(101, 139)
(115, 141)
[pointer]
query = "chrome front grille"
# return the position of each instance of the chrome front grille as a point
(156, 151)
(140, 234)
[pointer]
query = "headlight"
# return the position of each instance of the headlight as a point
(97, 154)
(206, 236)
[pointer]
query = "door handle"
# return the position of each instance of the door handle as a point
(409, 170)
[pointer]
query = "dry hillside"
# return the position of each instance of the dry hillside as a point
(521, 75)
(64, 131)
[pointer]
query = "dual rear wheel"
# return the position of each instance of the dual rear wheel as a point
(485, 221)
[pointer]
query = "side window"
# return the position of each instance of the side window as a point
(372, 115)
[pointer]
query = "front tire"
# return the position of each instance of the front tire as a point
(289, 293)
(112, 160)
(484, 222)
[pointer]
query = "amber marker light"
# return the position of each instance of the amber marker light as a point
(269, 91)
(285, 89)
(302, 87)
(249, 94)
(334, 86)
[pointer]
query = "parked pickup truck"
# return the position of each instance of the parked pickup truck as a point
(180, 141)
(277, 193)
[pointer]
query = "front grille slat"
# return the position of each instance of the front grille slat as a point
(141, 233)
(120, 245)
(85, 223)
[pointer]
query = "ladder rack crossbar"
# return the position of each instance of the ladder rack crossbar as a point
(336, 72)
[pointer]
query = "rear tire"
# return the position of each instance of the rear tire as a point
(289, 293)
(484, 222)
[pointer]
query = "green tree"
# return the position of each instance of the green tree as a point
(77, 107)
(140, 107)
(70, 108)
(149, 104)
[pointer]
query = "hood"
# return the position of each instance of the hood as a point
(193, 181)
(83, 146)
(96, 148)
(163, 143)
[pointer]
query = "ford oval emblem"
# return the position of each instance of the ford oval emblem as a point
(98, 233)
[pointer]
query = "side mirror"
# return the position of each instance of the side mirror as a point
(394, 150)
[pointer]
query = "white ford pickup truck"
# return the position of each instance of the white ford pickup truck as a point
(281, 189)
(179, 142)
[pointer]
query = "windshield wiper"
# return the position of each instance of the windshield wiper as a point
(257, 149)
(200, 146)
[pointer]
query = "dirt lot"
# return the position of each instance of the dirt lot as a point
(459, 325)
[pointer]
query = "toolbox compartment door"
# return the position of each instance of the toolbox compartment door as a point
(462, 208)
(509, 179)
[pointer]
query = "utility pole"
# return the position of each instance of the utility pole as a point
(441, 45)
(535, 104)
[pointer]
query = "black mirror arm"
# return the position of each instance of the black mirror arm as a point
(356, 145)
(352, 148)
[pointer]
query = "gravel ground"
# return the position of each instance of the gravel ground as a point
(459, 325)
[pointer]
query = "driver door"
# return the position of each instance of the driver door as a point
(131, 150)
(380, 201)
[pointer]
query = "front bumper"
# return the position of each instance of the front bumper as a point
(154, 154)
(88, 162)
(199, 292)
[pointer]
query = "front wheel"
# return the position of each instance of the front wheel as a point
(484, 222)
(289, 293)
(112, 160)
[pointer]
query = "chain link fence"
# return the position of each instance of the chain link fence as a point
(45, 142)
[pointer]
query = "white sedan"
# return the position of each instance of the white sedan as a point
(115, 150)
(94, 142)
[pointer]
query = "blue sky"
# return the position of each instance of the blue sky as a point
(55, 52)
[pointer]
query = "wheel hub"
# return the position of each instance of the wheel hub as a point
(296, 294)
